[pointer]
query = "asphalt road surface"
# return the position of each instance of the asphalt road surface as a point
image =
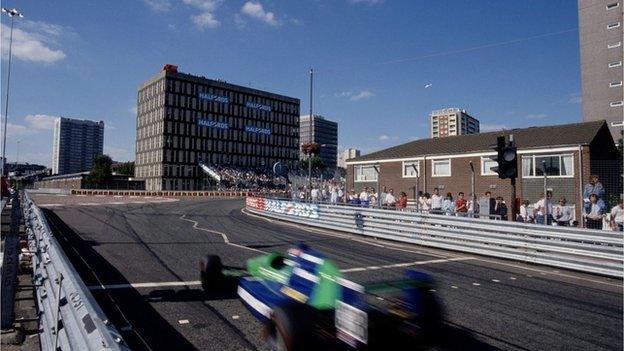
(141, 262)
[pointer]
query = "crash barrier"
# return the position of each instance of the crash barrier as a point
(10, 264)
(586, 250)
(57, 191)
(69, 317)
(171, 193)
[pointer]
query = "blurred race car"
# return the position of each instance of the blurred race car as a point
(306, 304)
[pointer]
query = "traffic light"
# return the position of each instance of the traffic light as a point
(506, 157)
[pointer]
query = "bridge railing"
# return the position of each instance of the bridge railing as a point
(592, 251)
(70, 318)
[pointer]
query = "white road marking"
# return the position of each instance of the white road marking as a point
(62, 195)
(183, 321)
(51, 205)
(432, 290)
(223, 235)
(133, 197)
(137, 202)
(115, 203)
(100, 195)
(512, 278)
(88, 203)
(496, 280)
(235, 316)
(406, 264)
(117, 195)
(476, 284)
(143, 285)
(453, 286)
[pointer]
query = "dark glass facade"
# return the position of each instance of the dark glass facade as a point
(184, 119)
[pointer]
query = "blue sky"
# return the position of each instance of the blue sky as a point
(509, 63)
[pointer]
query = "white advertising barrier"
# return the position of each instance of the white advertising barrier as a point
(592, 251)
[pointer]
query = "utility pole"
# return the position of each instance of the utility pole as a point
(472, 188)
(12, 14)
(545, 193)
(416, 187)
(310, 134)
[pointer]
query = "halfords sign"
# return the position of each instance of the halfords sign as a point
(212, 124)
(213, 97)
(258, 130)
(284, 207)
(258, 106)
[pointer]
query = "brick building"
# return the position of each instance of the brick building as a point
(572, 152)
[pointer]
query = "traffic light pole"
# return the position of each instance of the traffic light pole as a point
(513, 199)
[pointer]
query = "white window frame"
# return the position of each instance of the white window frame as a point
(615, 64)
(616, 103)
(534, 176)
(615, 84)
(612, 6)
(357, 174)
(410, 162)
(614, 45)
(487, 172)
(613, 25)
(433, 162)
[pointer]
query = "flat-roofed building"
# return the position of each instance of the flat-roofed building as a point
(452, 121)
(76, 143)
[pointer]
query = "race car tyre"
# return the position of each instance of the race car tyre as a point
(211, 273)
(292, 327)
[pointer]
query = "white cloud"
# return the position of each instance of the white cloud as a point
(41, 122)
(355, 96)
(492, 127)
(255, 10)
(206, 17)
(158, 5)
(17, 130)
(365, 94)
(537, 116)
(575, 99)
(383, 137)
(239, 21)
(33, 41)
(366, 2)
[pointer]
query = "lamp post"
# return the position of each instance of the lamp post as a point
(12, 13)
(310, 126)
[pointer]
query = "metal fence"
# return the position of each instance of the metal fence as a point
(585, 250)
(70, 319)
(10, 264)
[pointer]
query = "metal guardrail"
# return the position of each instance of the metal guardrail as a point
(592, 251)
(10, 264)
(69, 317)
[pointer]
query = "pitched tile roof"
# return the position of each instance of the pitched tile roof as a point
(525, 138)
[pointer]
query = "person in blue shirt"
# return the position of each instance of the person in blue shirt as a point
(594, 211)
(593, 187)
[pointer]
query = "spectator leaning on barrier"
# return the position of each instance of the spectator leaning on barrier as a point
(461, 203)
(500, 208)
(383, 196)
(364, 194)
(372, 197)
(472, 205)
(524, 214)
(593, 187)
(333, 196)
(436, 201)
(594, 212)
(617, 216)
(402, 203)
(544, 205)
(563, 213)
(425, 202)
(448, 205)
(390, 199)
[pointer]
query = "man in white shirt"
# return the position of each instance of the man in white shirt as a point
(617, 216)
(436, 201)
(383, 197)
(390, 199)
(364, 194)
(563, 213)
(544, 209)
(315, 194)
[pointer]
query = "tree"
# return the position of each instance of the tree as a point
(125, 168)
(101, 172)
(317, 163)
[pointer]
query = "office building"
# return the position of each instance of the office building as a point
(184, 120)
(347, 154)
(76, 143)
(325, 134)
(452, 121)
(600, 31)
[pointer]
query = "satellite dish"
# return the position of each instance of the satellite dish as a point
(280, 169)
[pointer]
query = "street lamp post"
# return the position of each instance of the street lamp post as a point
(310, 133)
(12, 13)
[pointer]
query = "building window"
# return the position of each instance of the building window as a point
(615, 84)
(614, 45)
(613, 6)
(616, 104)
(408, 169)
(441, 168)
(556, 166)
(613, 25)
(365, 173)
(615, 64)
(486, 165)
